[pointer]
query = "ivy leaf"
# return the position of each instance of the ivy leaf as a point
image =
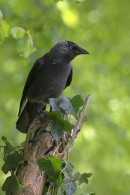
(55, 105)
(71, 105)
(84, 178)
(55, 182)
(17, 32)
(51, 165)
(8, 148)
(84, 119)
(77, 102)
(67, 106)
(76, 177)
(22, 143)
(11, 184)
(11, 162)
(58, 125)
(68, 170)
(69, 187)
(55, 129)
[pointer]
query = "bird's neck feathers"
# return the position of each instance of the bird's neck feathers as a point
(59, 56)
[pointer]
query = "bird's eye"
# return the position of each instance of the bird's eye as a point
(71, 47)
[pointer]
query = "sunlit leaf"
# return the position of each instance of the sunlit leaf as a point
(28, 51)
(17, 32)
(51, 165)
(4, 30)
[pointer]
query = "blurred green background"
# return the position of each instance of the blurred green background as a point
(102, 28)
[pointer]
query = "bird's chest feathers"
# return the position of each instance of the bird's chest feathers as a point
(56, 72)
(54, 77)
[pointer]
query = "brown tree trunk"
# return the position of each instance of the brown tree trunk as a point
(39, 144)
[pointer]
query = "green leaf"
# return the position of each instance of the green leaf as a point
(66, 104)
(54, 102)
(11, 162)
(71, 105)
(84, 178)
(11, 184)
(77, 101)
(51, 165)
(28, 48)
(22, 143)
(56, 163)
(58, 125)
(27, 51)
(55, 129)
(55, 182)
(8, 148)
(17, 32)
(68, 170)
(4, 30)
(69, 187)
(84, 119)
(76, 177)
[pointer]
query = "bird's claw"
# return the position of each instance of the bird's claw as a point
(41, 115)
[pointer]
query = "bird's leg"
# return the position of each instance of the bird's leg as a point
(40, 112)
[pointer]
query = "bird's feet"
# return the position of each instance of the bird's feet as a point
(41, 115)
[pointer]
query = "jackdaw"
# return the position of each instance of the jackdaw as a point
(49, 76)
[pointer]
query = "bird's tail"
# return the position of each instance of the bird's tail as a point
(23, 121)
(27, 116)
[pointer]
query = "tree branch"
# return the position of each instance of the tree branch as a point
(81, 115)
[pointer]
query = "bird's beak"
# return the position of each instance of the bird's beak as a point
(82, 51)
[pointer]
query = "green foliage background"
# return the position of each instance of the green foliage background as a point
(102, 27)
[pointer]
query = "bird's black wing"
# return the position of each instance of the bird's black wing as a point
(69, 78)
(35, 69)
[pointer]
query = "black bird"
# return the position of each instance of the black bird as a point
(49, 76)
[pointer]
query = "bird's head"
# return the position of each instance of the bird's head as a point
(66, 51)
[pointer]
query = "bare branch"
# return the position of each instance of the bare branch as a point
(77, 125)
